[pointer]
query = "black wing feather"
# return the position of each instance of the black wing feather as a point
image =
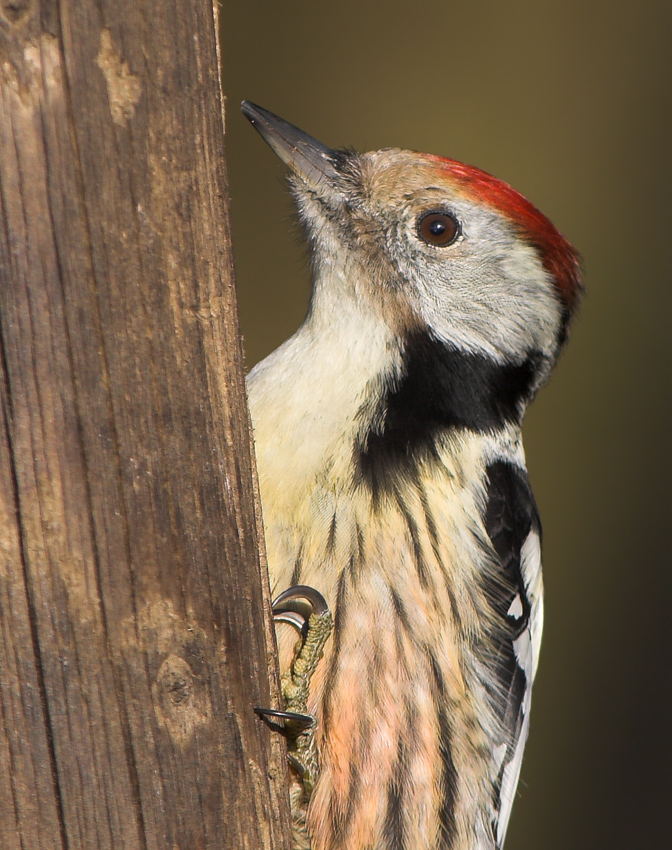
(510, 516)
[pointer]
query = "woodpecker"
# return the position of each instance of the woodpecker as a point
(393, 481)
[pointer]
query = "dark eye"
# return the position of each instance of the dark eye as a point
(438, 228)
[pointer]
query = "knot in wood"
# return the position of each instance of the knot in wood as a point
(15, 12)
(181, 698)
(176, 687)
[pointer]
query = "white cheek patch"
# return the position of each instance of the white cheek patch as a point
(488, 294)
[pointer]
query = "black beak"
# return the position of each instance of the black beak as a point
(307, 157)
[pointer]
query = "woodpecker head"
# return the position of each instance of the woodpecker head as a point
(444, 251)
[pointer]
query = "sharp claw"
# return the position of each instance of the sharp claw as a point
(305, 720)
(292, 617)
(306, 609)
(296, 764)
(303, 591)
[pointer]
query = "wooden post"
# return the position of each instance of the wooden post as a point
(133, 639)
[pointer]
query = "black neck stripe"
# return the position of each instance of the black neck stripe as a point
(442, 389)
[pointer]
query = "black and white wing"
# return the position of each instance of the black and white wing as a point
(516, 594)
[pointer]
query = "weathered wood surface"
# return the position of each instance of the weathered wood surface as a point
(133, 641)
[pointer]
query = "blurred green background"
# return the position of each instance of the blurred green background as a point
(571, 103)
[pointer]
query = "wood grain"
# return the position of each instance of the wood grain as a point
(134, 630)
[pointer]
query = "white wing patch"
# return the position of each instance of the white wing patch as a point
(526, 648)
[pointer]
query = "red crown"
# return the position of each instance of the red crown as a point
(558, 256)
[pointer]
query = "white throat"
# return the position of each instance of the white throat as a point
(304, 397)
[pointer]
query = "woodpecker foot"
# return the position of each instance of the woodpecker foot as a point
(314, 623)
(314, 628)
